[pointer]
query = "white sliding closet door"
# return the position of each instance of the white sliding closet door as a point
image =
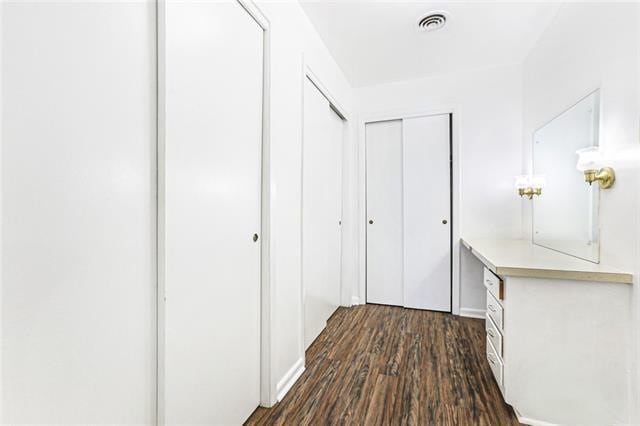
(408, 213)
(384, 212)
(213, 85)
(321, 211)
(427, 200)
(78, 213)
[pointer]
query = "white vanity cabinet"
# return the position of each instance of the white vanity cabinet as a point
(494, 324)
(558, 333)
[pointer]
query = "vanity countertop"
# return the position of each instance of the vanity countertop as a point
(521, 258)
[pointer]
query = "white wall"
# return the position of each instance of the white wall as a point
(292, 37)
(78, 185)
(293, 41)
(487, 129)
(572, 58)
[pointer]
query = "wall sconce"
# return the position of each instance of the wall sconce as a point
(590, 163)
(528, 185)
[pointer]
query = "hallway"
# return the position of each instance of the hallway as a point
(378, 364)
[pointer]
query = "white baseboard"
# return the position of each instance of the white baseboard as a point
(473, 313)
(533, 422)
(289, 379)
(355, 300)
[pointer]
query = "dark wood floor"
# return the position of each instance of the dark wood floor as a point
(378, 365)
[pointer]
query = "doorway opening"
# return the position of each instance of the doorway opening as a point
(409, 212)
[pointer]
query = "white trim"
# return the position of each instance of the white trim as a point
(402, 114)
(533, 422)
(290, 378)
(267, 297)
(301, 346)
(160, 210)
(308, 72)
(355, 300)
(255, 13)
(268, 388)
(530, 421)
(1, 205)
(405, 114)
(456, 182)
(473, 313)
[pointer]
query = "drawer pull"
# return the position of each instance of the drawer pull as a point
(492, 308)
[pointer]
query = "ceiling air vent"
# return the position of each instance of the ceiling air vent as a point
(432, 21)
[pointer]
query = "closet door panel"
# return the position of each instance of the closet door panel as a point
(213, 123)
(78, 213)
(384, 209)
(427, 221)
(321, 210)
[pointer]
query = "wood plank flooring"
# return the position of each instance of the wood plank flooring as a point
(383, 365)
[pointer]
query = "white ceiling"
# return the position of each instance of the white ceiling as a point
(378, 41)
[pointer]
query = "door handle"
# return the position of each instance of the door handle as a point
(370, 222)
(444, 221)
(255, 237)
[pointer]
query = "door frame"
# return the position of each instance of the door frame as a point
(454, 112)
(308, 73)
(266, 383)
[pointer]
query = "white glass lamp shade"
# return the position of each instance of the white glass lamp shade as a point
(522, 181)
(589, 159)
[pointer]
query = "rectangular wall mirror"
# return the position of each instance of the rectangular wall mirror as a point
(565, 216)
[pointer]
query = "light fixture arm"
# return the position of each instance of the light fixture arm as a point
(605, 177)
(529, 192)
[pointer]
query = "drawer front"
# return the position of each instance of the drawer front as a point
(495, 310)
(495, 363)
(493, 284)
(494, 335)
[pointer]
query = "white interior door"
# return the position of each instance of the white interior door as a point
(213, 104)
(78, 213)
(321, 211)
(427, 201)
(384, 212)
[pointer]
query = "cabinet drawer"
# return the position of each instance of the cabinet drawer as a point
(495, 310)
(494, 335)
(493, 284)
(495, 363)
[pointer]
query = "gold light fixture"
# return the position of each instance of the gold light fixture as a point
(606, 176)
(529, 192)
(528, 185)
(590, 163)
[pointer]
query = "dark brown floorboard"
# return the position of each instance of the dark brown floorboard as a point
(383, 365)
